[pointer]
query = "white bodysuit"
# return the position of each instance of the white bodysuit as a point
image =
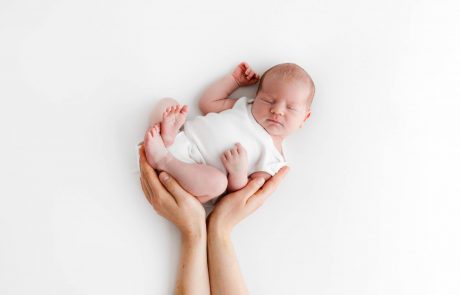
(205, 138)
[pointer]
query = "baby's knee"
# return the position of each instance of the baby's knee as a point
(217, 186)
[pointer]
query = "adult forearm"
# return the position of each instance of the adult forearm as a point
(224, 272)
(192, 277)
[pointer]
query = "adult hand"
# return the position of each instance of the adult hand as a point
(186, 212)
(171, 201)
(234, 207)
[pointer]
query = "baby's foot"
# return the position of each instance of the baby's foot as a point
(154, 147)
(173, 119)
(235, 161)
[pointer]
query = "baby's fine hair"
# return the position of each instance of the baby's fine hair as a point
(290, 72)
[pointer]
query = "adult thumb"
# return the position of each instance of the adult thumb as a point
(172, 186)
(252, 187)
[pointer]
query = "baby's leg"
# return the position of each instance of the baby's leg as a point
(235, 161)
(203, 181)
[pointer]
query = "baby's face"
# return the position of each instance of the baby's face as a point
(280, 107)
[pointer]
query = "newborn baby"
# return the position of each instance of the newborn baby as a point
(237, 139)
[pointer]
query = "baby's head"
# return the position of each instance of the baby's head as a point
(283, 99)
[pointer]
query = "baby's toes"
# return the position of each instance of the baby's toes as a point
(184, 109)
(234, 152)
(149, 134)
(228, 154)
(166, 112)
(240, 148)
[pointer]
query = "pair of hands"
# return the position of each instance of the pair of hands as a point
(172, 202)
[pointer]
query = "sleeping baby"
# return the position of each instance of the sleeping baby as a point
(236, 139)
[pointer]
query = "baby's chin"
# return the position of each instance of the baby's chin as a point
(274, 129)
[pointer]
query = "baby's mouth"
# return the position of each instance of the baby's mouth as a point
(276, 122)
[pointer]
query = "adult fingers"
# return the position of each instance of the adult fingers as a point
(173, 187)
(146, 190)
(149, 196)
(145, 168)
(246, 192)
(270, 186)
(272, 183)
(149, 174)
(159, 196)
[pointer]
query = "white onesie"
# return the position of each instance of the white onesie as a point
(205, 138)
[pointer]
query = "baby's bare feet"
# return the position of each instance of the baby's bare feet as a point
(173, 119)
(154, 147)
(235, 160)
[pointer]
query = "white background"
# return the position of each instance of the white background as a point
(371, 204)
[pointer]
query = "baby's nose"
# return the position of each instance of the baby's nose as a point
(277, 110)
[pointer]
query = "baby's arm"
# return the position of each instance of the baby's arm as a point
(216, 97)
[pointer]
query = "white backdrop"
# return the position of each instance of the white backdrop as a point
(371, 204)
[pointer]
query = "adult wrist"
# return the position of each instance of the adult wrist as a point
(196, 234)
(217, 231)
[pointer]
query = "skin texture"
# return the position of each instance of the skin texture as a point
(175, 204)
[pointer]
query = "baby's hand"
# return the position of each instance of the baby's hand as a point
(244, 75)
